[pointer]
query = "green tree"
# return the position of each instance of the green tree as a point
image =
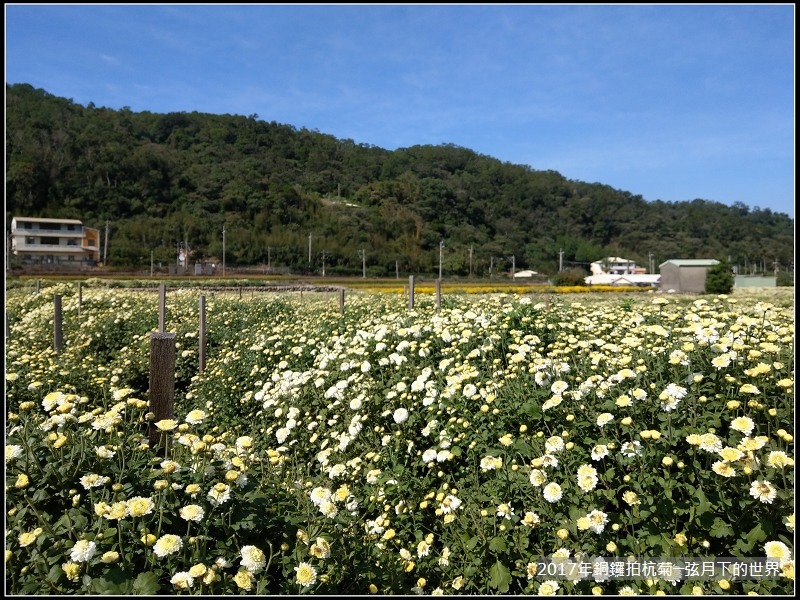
(720, 278)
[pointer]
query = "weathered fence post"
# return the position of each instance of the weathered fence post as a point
(410, 292)
(57, 337)
(202, 349)
(438, 296)
(162, 306)
(162, 386)
(37, 286)
(341, 301)
(240, 292)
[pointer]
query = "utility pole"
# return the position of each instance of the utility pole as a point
(470, 261)
(491, 266)
(650, 262)
(513, 266)
(105, 247)
(441, 247)
(323, 262)
(269, 260)
(223, 251)
(363, 254)
(560, 261)
(309, 250)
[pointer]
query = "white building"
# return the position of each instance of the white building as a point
(615, 265)
(616, 270)
(66, 242)
(637, 279)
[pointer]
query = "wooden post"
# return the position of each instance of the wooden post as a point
(80, 299)
(37, 286)
(438, 296)
(240, 292)
(202, 349)
(162, 306)
(341, 301)
(57, 338)
(410, 292)
(162, 385)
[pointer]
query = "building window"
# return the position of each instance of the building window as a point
(50, 240)
(28, 225)
(30, 239)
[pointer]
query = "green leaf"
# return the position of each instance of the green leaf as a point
(756, 535)
(498, 544)
(55, 573)
(473, 541)
(499, 577)
(146, 584)
(532, 409)
(100, 585)
(703, 505)
(720, 528)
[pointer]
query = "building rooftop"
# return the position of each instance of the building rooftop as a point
(691, 262)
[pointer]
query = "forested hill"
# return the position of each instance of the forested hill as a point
(162, 179)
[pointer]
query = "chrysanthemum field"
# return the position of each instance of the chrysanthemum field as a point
(397, 451)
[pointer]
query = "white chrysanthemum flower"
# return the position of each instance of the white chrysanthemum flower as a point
(219, 494)
(538, 477)
(93, 480)
(723, 468)
(13, 451)
(604, 418)
(195, 417)
(763, 490)
(400, 415)
(305, 574)
(599, 451)
(552, 492)
(744, 425)
(548, 460)
(450, 503)
(631, 448)
(82, 551)
(554, 443)
(778, 550)
(253, 559)
(598, 520)
(138, 506)
(182, 580)
(192, 512)
(167, 544)
(429, 455)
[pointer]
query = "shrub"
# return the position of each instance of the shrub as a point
(720, 278)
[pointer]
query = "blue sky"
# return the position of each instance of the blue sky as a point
(670, 102)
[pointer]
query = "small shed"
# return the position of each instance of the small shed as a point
(686, 275)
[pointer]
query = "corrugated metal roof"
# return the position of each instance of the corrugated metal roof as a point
(691, 262)
(45, 220)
